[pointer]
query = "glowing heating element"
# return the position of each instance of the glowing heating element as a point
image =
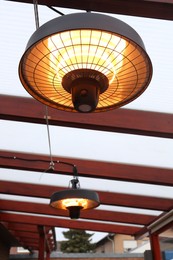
(75, 202)
(86, 49)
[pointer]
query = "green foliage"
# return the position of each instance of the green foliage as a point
(78, 241)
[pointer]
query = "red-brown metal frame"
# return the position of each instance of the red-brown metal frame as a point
(88, 168)
(155, 247)
(106, 198)
(97, 215)
(42, 243)
(120, 121)
(67, 223)
(162, 9)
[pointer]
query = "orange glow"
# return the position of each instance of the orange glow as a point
(122, 61)
(86, 49)
(74, 202)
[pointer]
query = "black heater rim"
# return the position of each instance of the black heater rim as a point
(78, 21)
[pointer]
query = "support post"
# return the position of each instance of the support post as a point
(155, 247)
(47, 255)
(41, 244)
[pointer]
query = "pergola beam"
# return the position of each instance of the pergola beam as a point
(161, 9)
(88, 168)
(119, 120)
(22, 227)
(101, 215)
(27, 234)
(28, 241)
(106, 198)
(66, 223)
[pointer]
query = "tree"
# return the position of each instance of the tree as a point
(79, 241)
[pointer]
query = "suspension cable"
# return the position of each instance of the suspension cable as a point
(55, 10)
(35, 2)
(49, 141)
(51, 167)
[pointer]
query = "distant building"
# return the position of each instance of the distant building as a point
(18, 250)
(118, 244)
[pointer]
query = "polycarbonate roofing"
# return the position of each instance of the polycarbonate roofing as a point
(17, 23)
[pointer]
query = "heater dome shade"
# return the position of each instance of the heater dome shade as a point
(105, 47)
(83, 199)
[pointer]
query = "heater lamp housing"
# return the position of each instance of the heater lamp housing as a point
(74, 200)
(85, 41)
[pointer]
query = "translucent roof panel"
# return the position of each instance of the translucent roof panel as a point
(17, 23)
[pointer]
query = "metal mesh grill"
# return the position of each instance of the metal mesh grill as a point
(125, 64)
